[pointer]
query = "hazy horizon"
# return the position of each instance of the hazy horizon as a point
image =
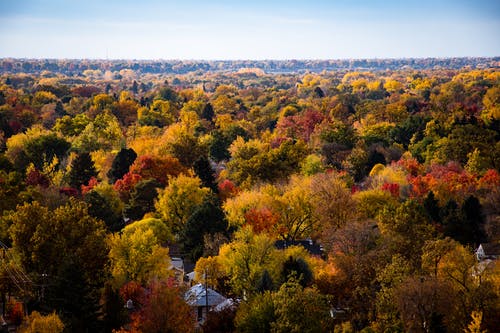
(260, 30)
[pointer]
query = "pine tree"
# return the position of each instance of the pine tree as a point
(82, 169)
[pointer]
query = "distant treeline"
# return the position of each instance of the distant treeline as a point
(77, 66)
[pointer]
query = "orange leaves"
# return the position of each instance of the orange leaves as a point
(261, 219)
(156, 167)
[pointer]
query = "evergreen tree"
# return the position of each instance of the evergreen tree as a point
(431, 206)
(100, 208)
(204, 170)
(208, 112)
(208, 218)
(142, 199)
(121, 164)
(82, 169)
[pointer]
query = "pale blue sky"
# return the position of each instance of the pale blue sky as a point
(222, 29)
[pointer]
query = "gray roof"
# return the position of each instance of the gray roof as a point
(195, 296)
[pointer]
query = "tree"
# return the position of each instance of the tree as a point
(179, 199)
(332, 203)
(43, 239)
(121, 164)
(291, 309)
(298, 269)
(221, 321)
(163, 310)
(256, 315)
(113, 309)
(407, 228)
(104, 204)
(137, 254)
(157, 167)
(256, 161)
(68, 246)
(246, 258)
(104, 132)
(142, 199)
(44, 148)
(299, 309)
(207, 218)
(208, 112)
(422, 303)
(204, 171)
(82, 169)
(37, 323)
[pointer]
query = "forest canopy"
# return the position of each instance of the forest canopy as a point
(111, 169)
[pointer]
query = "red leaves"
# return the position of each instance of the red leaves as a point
(300, 126)
(392, 188)
(446, 181)
(227, 189)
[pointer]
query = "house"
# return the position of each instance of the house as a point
(197, 298)
(488, 251)
(177, 265)
(311, 246)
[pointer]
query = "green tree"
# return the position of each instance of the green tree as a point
(137, 254)
(82, 169)
(207, 218)
(246, 258)
(179, 199)
(142, 199)
(256, 315)
(69, 247)
(103, 208)
(121, 164)
(299, 309)
(44, 148)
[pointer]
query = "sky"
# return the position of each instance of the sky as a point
(258, 29)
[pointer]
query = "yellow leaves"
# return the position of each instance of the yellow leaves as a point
(224, 104)
(369, 203)
(137, 253)
(491, 102)
(210, 270)
(381, 175)
(179, 199)
(143, 139)
(37, 323)
(359, 85)
(311, 80)
(236, 208)
(224, 121)
(349, 77)
(393, 86)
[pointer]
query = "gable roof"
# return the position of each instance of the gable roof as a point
(195, 296)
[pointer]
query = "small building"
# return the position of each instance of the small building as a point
(177, 265)
(197, 298)
(488, 251)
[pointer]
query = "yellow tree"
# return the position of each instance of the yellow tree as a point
(137, 254)
(37, 323)
(332, 202)
(209, 270)
(179, 199)
(246, 258)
